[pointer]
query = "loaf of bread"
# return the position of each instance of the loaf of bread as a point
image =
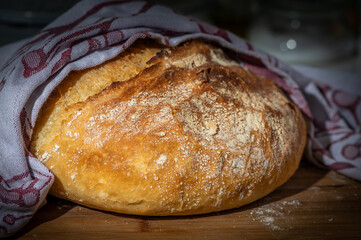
(168, 131)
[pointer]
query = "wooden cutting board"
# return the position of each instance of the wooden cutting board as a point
(314, 204)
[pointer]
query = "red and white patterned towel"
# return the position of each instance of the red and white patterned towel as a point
(97, 30)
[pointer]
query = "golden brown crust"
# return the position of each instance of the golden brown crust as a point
(190, 132)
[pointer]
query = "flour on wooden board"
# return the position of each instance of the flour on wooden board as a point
(272, 215)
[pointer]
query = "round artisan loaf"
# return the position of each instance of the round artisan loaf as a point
(168, 131)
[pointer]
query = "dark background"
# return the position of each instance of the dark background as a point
(311, 32)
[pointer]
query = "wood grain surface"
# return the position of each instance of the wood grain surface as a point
(314, 204)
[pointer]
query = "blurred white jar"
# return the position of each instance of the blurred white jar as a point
(313, 32)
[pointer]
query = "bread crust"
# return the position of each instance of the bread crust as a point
(174, 131)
